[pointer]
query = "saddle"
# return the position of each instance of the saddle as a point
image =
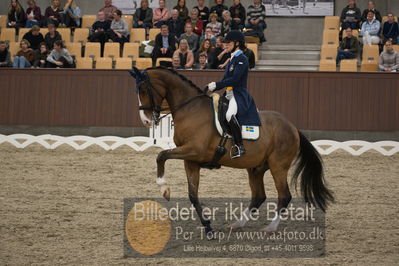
(220, 106)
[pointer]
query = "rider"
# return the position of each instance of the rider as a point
(242, 108)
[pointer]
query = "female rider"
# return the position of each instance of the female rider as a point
(242, 109)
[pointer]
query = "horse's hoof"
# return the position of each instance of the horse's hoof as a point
(212, 235)
(268, 230)
(166, 193)
(235, 226)
(263, 230)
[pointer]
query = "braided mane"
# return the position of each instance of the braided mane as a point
(182, 77)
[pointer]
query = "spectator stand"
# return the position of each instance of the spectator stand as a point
(328, 53)
(3, 21)
(87, 54)
(88, 20)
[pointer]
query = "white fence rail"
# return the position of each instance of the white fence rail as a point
(162, 137)
(325, 147)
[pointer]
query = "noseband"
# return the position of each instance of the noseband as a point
(156, 109)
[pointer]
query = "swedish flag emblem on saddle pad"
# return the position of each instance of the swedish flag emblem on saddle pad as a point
(248, 132)
(249, 129)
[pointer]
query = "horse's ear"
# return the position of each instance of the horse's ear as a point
(138, 75)
(135, 73)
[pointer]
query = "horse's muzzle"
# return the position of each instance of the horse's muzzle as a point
(147, 122)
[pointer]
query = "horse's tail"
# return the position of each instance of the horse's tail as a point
(313, 186)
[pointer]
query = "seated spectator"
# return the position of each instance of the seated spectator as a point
(34, 37)
(5, 56)
(98, 32)
(206, 47)
(52, 14)
(251, 57)
(220, 55)
(108, 10)
(165, 44)
(349, 47)
(218, 8)
(41, 56)
(71, 15)
(33, 14)
(176, 25)
(16, 15)
(237, 12)
(390, 30)
(25, 56)
(182, 9)
(350, 16)
(208, 35)
(59, 57)
(203, 11)
(142, 18)
(215, 24)
(196, 23)
(51, 36)
(256, 19)
(119, 29)
(161, 14)
(176, 63)
(228, 24)
(371, 6)
(191, 37)
(371, 29)
(202, 62)
(185, 54)
(389, 59)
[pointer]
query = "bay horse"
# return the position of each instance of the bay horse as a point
(196, 139)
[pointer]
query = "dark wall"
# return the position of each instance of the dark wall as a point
(105, 98)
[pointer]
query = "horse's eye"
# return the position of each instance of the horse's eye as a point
(143, 88)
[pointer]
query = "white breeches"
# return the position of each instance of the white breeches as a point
(232, 110)
(369, 40)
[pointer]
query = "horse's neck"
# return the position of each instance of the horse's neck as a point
(178, 93)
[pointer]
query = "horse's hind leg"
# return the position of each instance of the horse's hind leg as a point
(193, 175)
(258, 195)
(279, 173)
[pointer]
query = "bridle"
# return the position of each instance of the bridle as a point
(155, 108)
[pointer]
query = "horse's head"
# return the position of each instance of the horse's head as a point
(150, 97)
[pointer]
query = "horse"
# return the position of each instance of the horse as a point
(279, 146)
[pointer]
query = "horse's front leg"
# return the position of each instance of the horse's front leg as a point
(183, 153)
(193, 175)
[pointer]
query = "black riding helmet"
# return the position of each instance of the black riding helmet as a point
(234, 36)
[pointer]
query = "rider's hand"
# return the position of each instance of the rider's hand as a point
(212, 86)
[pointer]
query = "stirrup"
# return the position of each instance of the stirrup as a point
(236, 151)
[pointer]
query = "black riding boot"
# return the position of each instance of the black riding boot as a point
(237, 150)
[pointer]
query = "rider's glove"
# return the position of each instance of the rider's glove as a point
(212, 86)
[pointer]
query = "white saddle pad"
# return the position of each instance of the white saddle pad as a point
(248, 132)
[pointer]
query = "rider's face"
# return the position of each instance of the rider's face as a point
(229, 46)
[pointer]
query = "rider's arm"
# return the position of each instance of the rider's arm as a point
(221, 55)
(239, 70)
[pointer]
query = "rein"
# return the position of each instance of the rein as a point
(156, 109)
